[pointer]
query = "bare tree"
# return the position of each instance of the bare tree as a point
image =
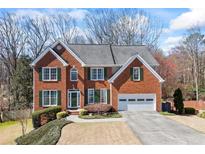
(12, 41)
(38, 31)
(193, 45)
(62, 27)
(127, 26)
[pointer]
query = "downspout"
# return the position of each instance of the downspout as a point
(33, 90)
(110, 93)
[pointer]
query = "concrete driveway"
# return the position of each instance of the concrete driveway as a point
(153, 128)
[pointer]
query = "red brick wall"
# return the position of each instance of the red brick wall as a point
(51, 61)
(123, 84)
(198, 105)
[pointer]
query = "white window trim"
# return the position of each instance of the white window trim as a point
(138, 68)
(73, 70)
(91, 89)
(69, 96)
(49, 98)
(105, 95)
(97, 68)
(49, 74)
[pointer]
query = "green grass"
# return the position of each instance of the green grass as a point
(7, 124)
(47, 134)
(201, 115)
(167, 113)
(101, 116)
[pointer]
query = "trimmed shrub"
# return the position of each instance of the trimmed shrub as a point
(48, 134)
(202, 115)
(61, 115)
(189, 110)
(98, 108)
(42, 117)
(83, 112)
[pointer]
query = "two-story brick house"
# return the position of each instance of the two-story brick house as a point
(79, 74)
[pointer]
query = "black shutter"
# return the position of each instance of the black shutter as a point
(141, 74)
(131, 73)
(40, 73)
(59, 97)
(86, 97)
(88, 73)
(97, 95)
(59, 74)
(40, 98)
(105, 73)
(108, 96)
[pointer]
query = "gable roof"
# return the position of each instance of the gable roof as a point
(104, 54)
(129, 61)
(123, 53)
(44, 53)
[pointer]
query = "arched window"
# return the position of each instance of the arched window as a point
(73, 74)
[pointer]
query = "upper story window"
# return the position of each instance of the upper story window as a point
(49, 74)
(73, 74)
(97, 73)
(136, 73)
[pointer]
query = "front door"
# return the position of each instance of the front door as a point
(73, 98)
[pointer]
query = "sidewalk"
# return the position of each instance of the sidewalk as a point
(76, 119)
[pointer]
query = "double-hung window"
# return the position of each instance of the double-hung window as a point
(73, 74)
(50, 98)
(97, 96)
(103, 95)
(136, 73)
(91, 96)
(49, 74)
(97, 74)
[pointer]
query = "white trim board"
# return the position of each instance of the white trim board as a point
(44, 53)
(129, 61)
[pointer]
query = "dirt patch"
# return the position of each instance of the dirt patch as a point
(192, 121)
(97, 134)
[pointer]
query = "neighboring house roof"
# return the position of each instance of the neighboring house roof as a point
(44, 53)
(129, 61)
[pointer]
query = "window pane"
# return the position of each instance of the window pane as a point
(136, 74)
(53, 97)
(91, 96)
(74, 75)
(100, 74)
(53, 73)
(46, 73)
(45, 97)
(94, 74)
(103, 95)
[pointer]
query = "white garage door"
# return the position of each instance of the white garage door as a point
(137, 102)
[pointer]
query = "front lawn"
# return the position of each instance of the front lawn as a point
(10, 130)
(47, 134)
(101, 116)
(7, 124)
(167, 113)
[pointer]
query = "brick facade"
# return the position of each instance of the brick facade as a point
(122, 84)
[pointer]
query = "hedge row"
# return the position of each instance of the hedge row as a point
(41, 117)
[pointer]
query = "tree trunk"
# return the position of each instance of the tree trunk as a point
(1, 116)
(196, 80)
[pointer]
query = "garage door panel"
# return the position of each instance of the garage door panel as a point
(137, 102)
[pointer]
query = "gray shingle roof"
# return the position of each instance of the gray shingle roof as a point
(102, 55)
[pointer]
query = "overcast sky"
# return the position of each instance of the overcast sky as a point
(175, 21)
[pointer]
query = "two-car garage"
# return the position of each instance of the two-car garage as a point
(137, 102)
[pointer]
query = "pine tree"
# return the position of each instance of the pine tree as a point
(178, 101)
